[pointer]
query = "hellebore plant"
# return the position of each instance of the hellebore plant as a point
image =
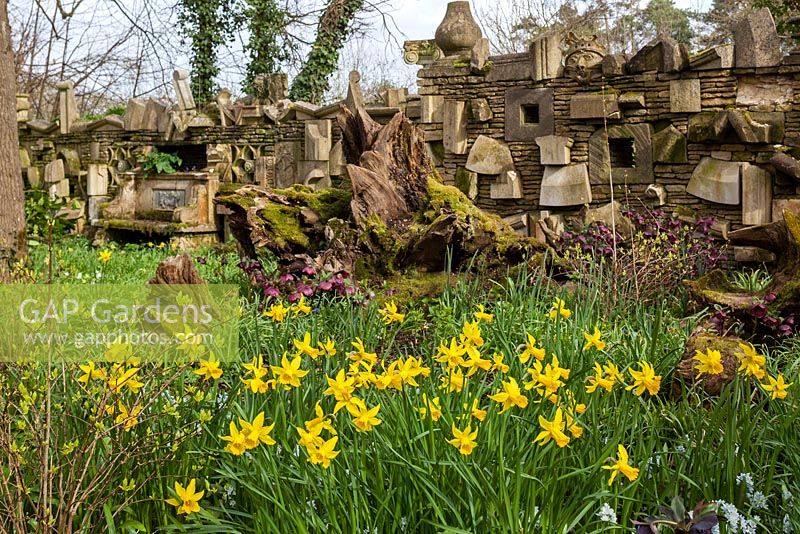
(701, 520)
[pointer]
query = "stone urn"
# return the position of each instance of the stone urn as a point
(458, 32)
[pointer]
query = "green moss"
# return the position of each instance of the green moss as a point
(461, 63)
(330, 203)
(413, 285)
(284, 226)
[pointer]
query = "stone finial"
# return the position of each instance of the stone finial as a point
(458, 31)
(67, 107)
(183, 92)
(756, 41)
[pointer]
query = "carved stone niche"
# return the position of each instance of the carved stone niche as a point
(625, 155)
(529, 114)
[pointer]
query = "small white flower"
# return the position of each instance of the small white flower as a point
(748, 526)
(680, 448)
(758, 500)
(786, 495)
(787, 525)
(607, 514)
(747, 480)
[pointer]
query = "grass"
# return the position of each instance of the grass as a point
(404, 476)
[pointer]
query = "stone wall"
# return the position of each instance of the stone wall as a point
(551, 130)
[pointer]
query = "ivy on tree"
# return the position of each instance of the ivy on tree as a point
(268, 46)
(323, 59)
(205, 23)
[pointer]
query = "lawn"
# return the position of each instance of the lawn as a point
(506, 403)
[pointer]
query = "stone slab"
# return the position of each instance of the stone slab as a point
(716, 57)
(600, 168)
(756, 195)
(96, 179)
(431, 108)
(54, 171)
(454, 128)
(554, 149)
(756, 41)
(593, 106)
(318, 140)
(716, 181)
(509, 187)
(546, 56)
(480, 110)
(565, 186)
(669, 146)
(684, 96)
(489, 156)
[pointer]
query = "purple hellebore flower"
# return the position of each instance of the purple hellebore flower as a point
(771, 322)
(325, 286)
(309, 270)
(286, 278)
(305, 289)
(758, 311)
(272, 291)
(769, 298)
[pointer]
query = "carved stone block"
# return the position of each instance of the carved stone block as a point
(565, 186)
(528, 114)
(454, 129)
(318, 140)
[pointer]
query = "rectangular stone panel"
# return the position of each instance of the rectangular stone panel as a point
(756, 195)
(454, 129)
(529, 114)
(595, 106)
(684, 96)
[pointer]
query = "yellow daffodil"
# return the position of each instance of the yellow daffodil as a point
(453, 381)
(464, 440)
(389, 313)
(310, 438)
(305, 346)
(91, 373)
(777, 387)
(361, 354)
(574, 428)
(752, 363)
(277, 312)
(593, 340)
(531, 350)
(341, 388)
(257, 385)
(621, 466)
(599, 381)
(288, 374)
(255, 432)
(365, 419)
(613, 372)
(188, 500)
(430, 407)
(644, 379)
(552, 430)
(476, 411)
(481, 315)
(709, 362)
(323, 454)
(236, 440)
(320, 422)
(497, 363)
(452, 355)
(209, 369)
(475, 361)
(510, 396)
(105, 256)
(328, 348)
(559, 309)
(471, 333)
(301, 307)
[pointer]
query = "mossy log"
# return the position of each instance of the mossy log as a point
(399, 216)
(782, 238)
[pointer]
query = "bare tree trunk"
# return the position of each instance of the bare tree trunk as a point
(12, 213)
